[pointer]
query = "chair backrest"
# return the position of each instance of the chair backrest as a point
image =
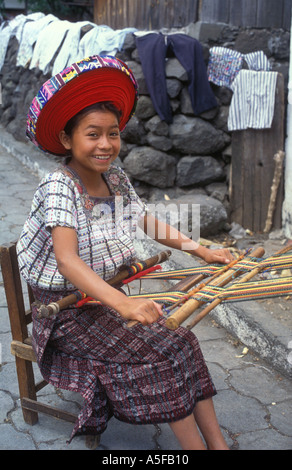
(19, 316)
(20, 345)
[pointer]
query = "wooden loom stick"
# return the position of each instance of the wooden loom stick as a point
(182, 286)
(191, 281)
(211, 279)
(178, 317)
(188, 283)
(44, 311)
(220, 299)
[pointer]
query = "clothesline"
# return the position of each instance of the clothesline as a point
(225, 64)
(254, 89)
(41, 36)
(153, 49)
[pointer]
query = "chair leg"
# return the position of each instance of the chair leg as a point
(92, 442)
(26, 384)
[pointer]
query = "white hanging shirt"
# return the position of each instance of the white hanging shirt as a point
(30, 34)
(253, 102)
(48, 43)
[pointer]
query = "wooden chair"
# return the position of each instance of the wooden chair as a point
(21, 346)
(21, 342)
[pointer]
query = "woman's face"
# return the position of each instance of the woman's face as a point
(94, 143)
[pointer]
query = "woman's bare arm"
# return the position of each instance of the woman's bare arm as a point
(85, 279)
(171, 237)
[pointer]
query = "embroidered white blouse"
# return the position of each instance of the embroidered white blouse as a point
(105, 227)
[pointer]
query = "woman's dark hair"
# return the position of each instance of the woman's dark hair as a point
(102, 106)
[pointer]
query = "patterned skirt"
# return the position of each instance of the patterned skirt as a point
(142, 375)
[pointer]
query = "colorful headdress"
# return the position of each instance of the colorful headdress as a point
(89, 81)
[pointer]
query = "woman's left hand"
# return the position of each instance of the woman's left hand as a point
(221, 256)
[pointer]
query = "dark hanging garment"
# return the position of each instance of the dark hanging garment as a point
(153, 48)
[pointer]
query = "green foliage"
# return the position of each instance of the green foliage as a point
(57, 8)
(61, 9)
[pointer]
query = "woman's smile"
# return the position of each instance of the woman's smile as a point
(94, 144)
(102, 157)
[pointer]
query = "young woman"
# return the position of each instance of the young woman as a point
(76, 239)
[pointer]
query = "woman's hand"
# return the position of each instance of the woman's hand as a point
(171, 237)
(143, 310)
(222, 256)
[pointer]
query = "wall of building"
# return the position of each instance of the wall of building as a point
(151, 15)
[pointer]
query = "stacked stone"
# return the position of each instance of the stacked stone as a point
(185, 162)
(19, 86)
(189, 160)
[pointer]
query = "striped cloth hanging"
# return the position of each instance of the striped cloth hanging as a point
(253, 102)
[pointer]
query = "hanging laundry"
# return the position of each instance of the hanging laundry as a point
(102, 40)
(257, 61)
(31, 30)
(69, 52)
(153, 49)
(8, 30)
(253, 101)
(47, 44)
(224, 65)
(45, 37)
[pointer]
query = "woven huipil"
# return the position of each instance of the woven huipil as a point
(142, 375)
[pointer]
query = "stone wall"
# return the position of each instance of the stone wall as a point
(187, 161)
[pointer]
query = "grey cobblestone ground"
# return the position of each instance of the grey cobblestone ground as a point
(254, 401)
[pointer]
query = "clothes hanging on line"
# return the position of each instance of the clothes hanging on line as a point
(257, 61)
(45, 38)
(103, 40)
(153, 49)
(253, 101)
(48, 43)
(252, 104)
(30, 34)
(64, 37)
(69, 51)
(225, 64)
(9, 29)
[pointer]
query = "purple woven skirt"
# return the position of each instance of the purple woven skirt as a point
(142, 375)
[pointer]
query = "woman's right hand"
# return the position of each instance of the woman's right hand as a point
(142, 310)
